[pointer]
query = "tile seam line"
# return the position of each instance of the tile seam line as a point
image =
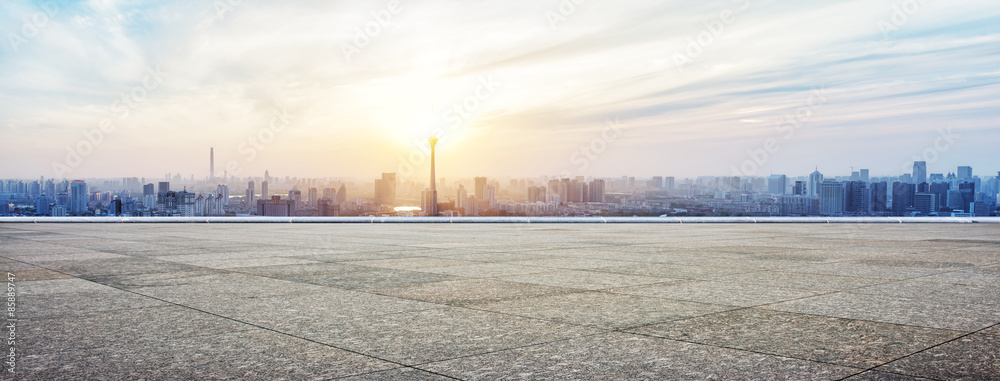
(255, 325)
(746, 350)
(920, 351)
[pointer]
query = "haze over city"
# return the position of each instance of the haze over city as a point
(518, 88)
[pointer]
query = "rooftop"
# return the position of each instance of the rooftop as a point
(475, 301)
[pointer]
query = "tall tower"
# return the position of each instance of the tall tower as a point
(433, 210)
(919, 172)
(211, 163)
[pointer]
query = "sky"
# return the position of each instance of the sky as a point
(112, 88)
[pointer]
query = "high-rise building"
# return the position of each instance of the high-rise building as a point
(831, 198)
(597, 190)
(656, 182)
(385, 189)
(865, 175)
(164, 187)
(313, 197)
(342, 194)
(463, 197)
(968, 193)
(294, 198)
(222, 192)
(919, 172)
(902, 197)
(42, 205)
(480, 184)
(925, 203)
(815, 179)
(251, 195)
(857, 198)
(186, 203)
(490, 192)
(472, 206)
(328, 208)
(879, 196)
(799, 189)
(941, 190)
(955, 200)
(577, 191)
(537, 194)
(668, 183)
(78, 197)
(777, 184)
(964, 173)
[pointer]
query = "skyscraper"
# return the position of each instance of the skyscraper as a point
(342, 194)
(463, 197)
(251, 194)
(295, 198)
(857, 198)
(480, 183)
(968, 192)
(831, 197)
(490, 192)
(879, 196)
(42, 206)
(815, 179)
(926, 203)
(865, 175)
(313, 197)
(777, 184)
(385, 189)
(919, 172)
(902, 197)
(597, 190)
(263, 190)
(941, 190)
(964, 173)
(799, 189)
(78, 197)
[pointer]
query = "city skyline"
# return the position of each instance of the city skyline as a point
(588, 89)
(918, 193)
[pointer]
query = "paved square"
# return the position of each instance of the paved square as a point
(508, 301)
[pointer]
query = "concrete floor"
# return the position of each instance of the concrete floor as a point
(516, 301)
